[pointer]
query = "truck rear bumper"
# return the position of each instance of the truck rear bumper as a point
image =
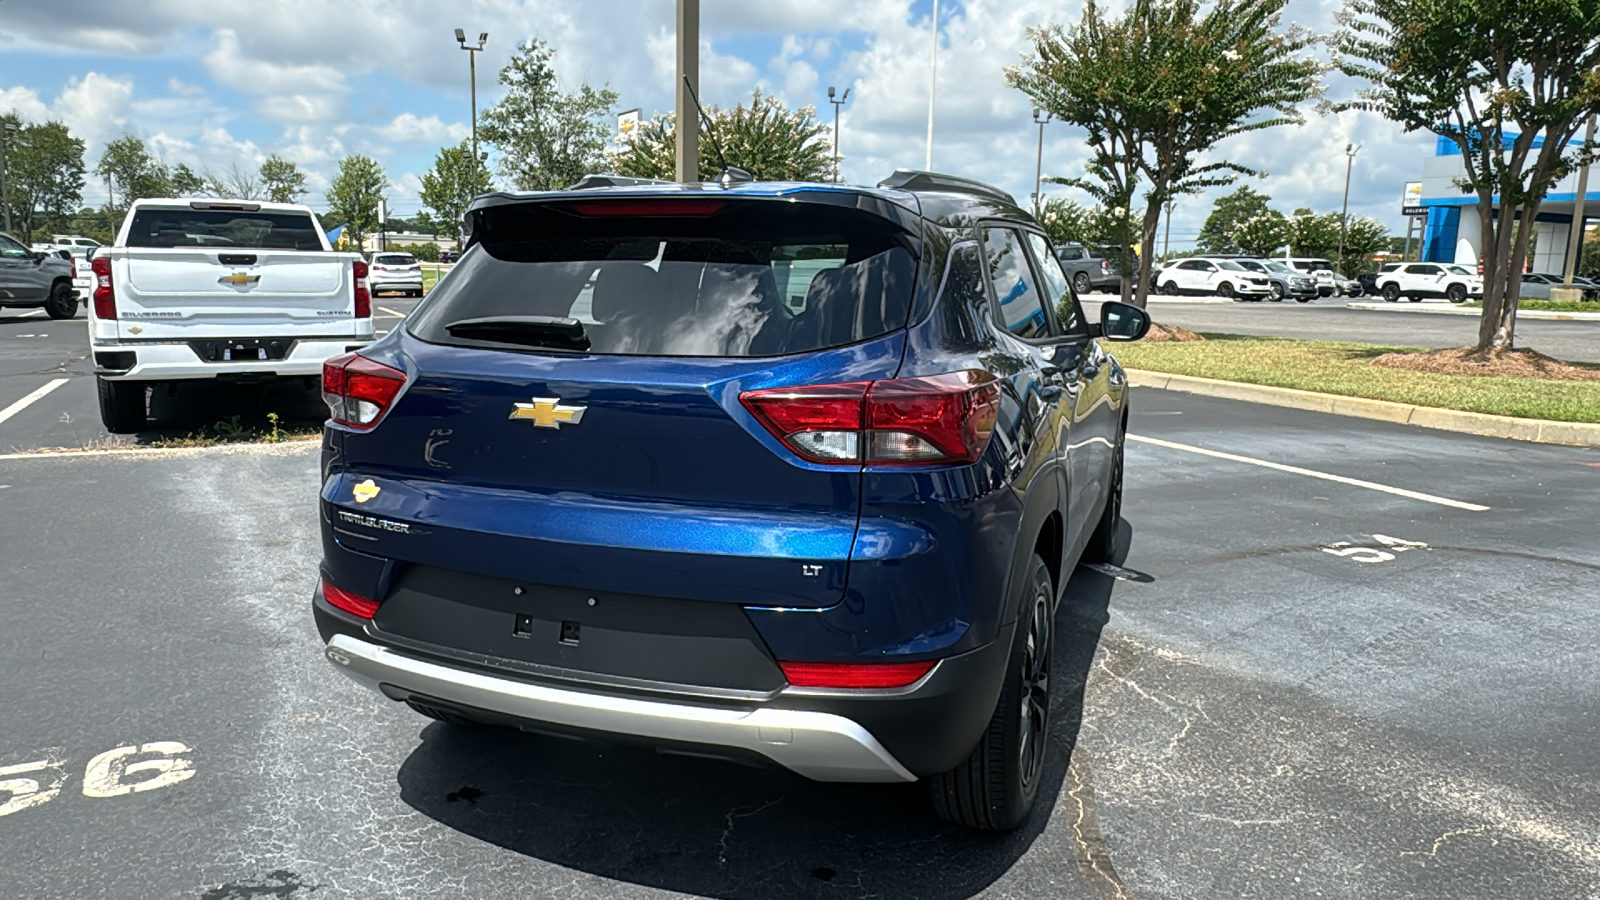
(176, 361)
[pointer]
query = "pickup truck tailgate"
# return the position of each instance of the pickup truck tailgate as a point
(196, 293)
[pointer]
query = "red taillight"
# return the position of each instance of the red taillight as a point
(355, 604)
(105, 295)
(358, 390)
(693, 206)
(855, 675)
(937, 419)
(363, 295)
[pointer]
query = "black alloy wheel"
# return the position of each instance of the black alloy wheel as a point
(1033, 702)
(1391, 292)
(1225, 289)
(1170, 289)
(1456, 293)
(63, 304)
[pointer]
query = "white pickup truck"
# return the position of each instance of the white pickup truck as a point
(220, 289)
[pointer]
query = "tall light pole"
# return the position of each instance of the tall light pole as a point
(933, 72)
(1038, 160)
(1350, 151)
(1575, 239)
(836, 104)
(472, 68)
(7, 130)
(688, 124)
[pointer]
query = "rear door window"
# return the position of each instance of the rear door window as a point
(754, 279)
(1016, 296)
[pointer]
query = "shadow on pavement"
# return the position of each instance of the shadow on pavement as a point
(713, 828)
(233, 411)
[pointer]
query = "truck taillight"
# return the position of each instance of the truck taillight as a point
(358, 390)
(363, 294)
(932, 420)
(105, 295)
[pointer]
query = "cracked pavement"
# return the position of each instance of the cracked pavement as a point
(1250, 716)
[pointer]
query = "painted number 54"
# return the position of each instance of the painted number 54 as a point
(1389, 546)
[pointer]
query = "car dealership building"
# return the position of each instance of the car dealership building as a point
(1453, 234)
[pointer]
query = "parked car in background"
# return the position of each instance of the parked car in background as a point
(1320, 269)
(449, 256)
(1537, 286)
(1219, 277)
(80, 246)
(1369, 280)
(1418, 281)
(1591, 288)
(1284, 281)
(395, 272)
(1348, 287)
(1090, 268)
(35, 278)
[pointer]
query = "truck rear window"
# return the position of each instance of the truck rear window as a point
(166, 228)
(755, 279)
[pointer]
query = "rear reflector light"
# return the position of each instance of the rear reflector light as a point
(669, 207)
(936, 419)
(363, 293)
(855, 675)
(357, 390)
(105, 295)
(355, 604)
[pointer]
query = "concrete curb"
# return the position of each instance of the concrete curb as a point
(1542, 431)
(1475, 313)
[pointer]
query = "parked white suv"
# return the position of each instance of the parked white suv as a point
(1221, 277)
(393, 271)
(1416, 281)
(219, 289)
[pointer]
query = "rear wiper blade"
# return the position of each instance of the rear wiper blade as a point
(536, 331)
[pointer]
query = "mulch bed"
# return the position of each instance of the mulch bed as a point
(1518, 363)
(1160, 333)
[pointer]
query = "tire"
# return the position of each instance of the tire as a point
(1225, 289)
(1414, 299)
(1391, 293)
(1102, 546)
(1081, 284)
(1304, 299)
(63, 304)
(994, 788)
(122, 405)
(1277, 292)
(1456, 293)
(1170, 289)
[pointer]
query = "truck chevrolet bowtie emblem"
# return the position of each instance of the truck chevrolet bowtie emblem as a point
(239, 279)
(547, 412)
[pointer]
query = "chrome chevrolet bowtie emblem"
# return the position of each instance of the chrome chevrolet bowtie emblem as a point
(547, 412)
(239, 279)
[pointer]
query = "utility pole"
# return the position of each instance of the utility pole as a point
(1038, 161)
(688, 125)
(5, 180)
(472, 69)
(1575, 239)
(1350, 151)
(933, 73)
(1167, 235)
(836, 104)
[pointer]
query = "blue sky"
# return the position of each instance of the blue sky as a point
(215, 83)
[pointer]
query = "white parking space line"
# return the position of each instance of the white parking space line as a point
(387, 311)
(1310, 473)
(31, 312)
(27, 401)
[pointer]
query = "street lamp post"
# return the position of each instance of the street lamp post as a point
(836, 104)
(1038, 160)
(1350, 151)
(6, 131)
(472, 68)
(933, 73)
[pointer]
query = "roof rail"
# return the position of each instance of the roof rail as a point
(604, 181)
(914, 180)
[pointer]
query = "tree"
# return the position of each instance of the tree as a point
(1229, 211)
(239, 182)
(1508, 82)
(1262, 235)
(547, 138)
(1313, 235)
(44, 175)
(448, 188)
(767, 139)
(281, 180)
(354, 194)
(1363, 237)
(1160, 85)
(183, 182)
(132, 174)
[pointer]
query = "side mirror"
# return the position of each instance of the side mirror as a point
(1122, 322)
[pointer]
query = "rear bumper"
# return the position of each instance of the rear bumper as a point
(177, 360)
(818, 745)
(395, 282)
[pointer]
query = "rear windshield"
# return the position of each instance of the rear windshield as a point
(755, 279)
(392, 259)
(223, 228)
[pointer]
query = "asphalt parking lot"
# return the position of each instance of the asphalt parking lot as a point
(1368, 674)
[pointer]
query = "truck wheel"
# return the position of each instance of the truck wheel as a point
(122, 405)
(63, 304)
(1102, 544)
(994, 788)
(1080, 284)
(1391, 292)
(1456, 293)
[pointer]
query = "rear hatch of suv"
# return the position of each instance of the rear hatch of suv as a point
(570, 434)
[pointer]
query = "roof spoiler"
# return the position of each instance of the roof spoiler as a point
(914, 180)
(589, 182)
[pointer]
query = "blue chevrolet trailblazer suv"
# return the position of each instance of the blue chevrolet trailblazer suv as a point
(789, 473)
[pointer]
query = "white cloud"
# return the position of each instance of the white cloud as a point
(25, 103)
(408, 127)
(229, 64)
(292, 108)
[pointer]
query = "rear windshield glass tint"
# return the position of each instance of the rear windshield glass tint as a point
(392, 260)
(755, 279)
(223, 228)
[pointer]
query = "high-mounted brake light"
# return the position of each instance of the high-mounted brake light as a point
(855, 675)
(931, 420)
(105, 295)
(358, 390)
(691, 206)
(363, 292)
(355, 604)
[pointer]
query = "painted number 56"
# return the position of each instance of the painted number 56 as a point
(132, 769)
